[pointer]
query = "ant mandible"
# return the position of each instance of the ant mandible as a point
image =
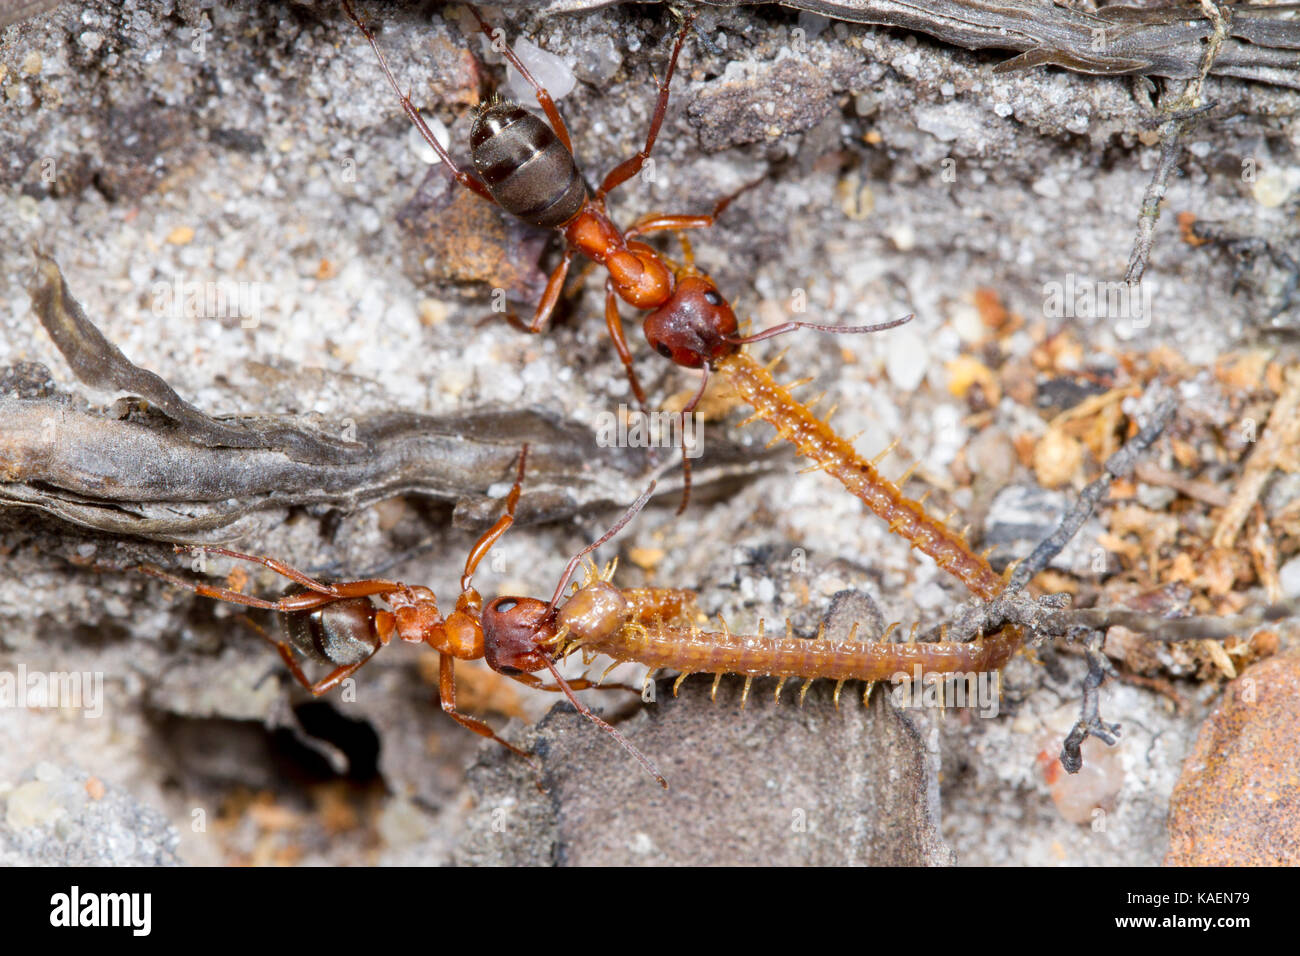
(342, 623)
(528, 169)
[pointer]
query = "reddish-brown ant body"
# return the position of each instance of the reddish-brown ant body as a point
(528, 169)
(342, 624)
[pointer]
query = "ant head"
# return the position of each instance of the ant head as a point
(512, 630)
(594, 612)
(694, 328)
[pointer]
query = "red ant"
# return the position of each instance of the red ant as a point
(528, 169)
(341, 623)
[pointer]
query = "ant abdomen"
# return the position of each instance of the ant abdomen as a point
(343, 632)
(528, 171)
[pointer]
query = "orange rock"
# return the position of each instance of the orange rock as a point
(1237, 802)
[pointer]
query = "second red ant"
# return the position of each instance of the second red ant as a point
(528, 169)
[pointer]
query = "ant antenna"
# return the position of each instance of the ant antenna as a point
(686, 459)
(577, 558)
(837, 329)
(641, 758)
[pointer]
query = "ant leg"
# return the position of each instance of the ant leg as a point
(554, 286)
(630, 167)
(615, 324)
(654, 222)
(837, 329)
(462, 177)
(657, 223)
(543, 97)
(279, 567)
(582, 683)
(306, 601)
(326, 683)
(617, 527)
(490, 537)
(447, 697)
(317, 595)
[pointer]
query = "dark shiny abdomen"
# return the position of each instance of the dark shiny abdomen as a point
(526, 167)
(342, 632)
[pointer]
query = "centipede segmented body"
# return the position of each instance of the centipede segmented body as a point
(654, 627)
(817, 441)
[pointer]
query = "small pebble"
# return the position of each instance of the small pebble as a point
(547, 69)
(908, 358)
(1289, 577)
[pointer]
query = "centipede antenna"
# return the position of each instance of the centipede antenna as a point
(617, 527)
